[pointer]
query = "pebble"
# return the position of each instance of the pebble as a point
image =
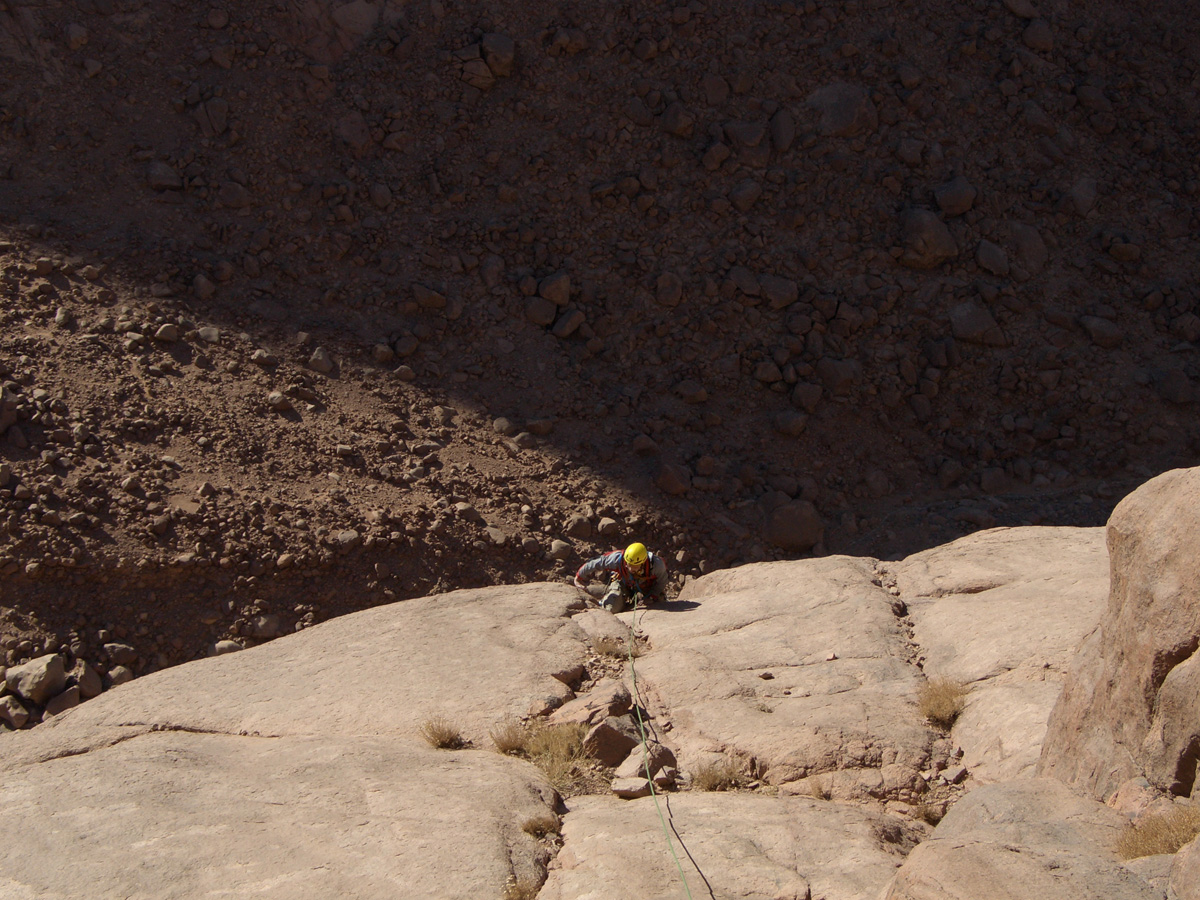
(560, 549)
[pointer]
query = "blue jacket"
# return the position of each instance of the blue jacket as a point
(652, 586)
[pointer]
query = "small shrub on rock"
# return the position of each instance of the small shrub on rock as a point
(941, 700)
(540, 826)
(724, 774)
(1160, 833)
(440, 733)
(511, 738)
(521, 889)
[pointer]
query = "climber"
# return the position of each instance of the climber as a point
(634, 573)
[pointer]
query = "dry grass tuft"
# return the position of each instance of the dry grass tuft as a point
(820, 789)
(941, 700)
(1160, 833)
(724, 774)
(616, 648)
(521, 889)
(511, 738)
(440, 733)
(558, 751)
(540, 826)
(930, 813)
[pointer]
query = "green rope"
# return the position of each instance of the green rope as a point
(646, 755)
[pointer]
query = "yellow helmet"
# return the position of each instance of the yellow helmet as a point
(636, 555)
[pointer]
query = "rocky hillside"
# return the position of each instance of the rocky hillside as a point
(785, 730)
(311, 306)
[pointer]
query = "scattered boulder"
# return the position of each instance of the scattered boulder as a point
(795, 527)
(971, 321)
(843, 110)
(955, 197)
(927, 242)
(37, 680)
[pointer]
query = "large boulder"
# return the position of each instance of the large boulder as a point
(1021, 839)
(37, 680)
(802, 666)
(1003, 611)
(729, 845)
(1129, 706)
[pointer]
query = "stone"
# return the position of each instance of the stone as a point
(672, 478)
(971, 321)
(677, 121)
(668, 289)
(1038, 35)
(608, 743)
(992, 258)
(691, 391)
(321, 361)
(202, 286)
(540, 311)
(380, 194)
(499, 52)
(789, 423)
(1129, 704)
(579, 526)
(568, 323)
(1031, 251)
(839, 375)
(631, 788)
(428, 298)
(37, 680)
(745, 194)
(68, 699)
(1024, 9)
(88, 679)
(795, 527)
(778, 292)
(77, 36)
(120, 654)
(119, 675)
(807, 396)
(783, 130)
(927, 242)
(843, 110)
(1103, 332)
(556, 288)
(279, 402)
(1083, 195)
(653, 757)
(161, 177)
(220, 648)
(956, 196)
(608, 698)
(561, 550)
(12, 712)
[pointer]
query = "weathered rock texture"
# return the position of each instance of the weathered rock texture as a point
(1003, 611)
(1024, 838)
(802, 667)
(1130, 704)
(736, 845)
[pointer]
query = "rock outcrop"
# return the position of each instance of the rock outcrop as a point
(1130, 704)
(299, 766)
(1002, 611)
